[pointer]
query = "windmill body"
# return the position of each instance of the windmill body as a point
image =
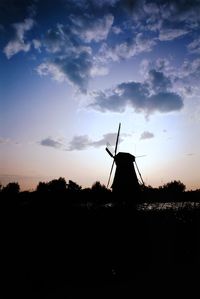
(125, 179)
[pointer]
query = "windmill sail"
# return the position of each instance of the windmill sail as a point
(117, 140)
(108, 151)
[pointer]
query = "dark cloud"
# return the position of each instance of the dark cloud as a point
(164, 102)
(146, 135)
(158, 81)
(12, 11)
(147, 97)
(76, 69)
(51, 143)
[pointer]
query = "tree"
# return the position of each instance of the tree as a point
(174, 187)
(11, 188)
(57, 186)
(73, 187)
(42, 187)
(98, 188)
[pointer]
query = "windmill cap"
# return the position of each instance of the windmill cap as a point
(125, 157)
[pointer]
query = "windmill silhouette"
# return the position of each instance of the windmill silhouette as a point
(125, 180)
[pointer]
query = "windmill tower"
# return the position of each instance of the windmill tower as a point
(125, 179)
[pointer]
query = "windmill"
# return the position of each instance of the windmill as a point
(125, 180)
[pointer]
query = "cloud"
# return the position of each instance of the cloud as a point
(73, 61)
(83, 141)
(79, 143)
(158, 81)
(152, 95)
(146, 135)
(127, 49)
(116, 30)
(194, 47)
(4, 140)
(8, 141)
(18, 44)
(171, 34)
(75, 69)
(164, 102)
(90, 28)
(107, 138)
(51, 143)
(190, 69)
(181, 11)
(94, 33)
(37, 44)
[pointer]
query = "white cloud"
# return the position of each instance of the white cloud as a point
(126, 49)
(90, 28)
(98, 70)
(116, 30)
(18, 44)
(37, 44)
(171, 34)
(50, 68)
(194, 47)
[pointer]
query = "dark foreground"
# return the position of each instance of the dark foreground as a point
(66, 251)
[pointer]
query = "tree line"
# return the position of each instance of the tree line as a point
(58, 186)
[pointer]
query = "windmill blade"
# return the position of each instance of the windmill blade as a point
(139, 173)
(110, 173)
(109, 152)
(116, 145)
(140, 156)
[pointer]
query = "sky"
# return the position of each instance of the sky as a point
(72, 70)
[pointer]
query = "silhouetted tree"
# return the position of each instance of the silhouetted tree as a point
(11, 188)
(58, 185)
(174, 187)
(73, 187)
(42, 187)
(98, 188)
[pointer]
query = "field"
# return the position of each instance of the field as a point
(52, 248)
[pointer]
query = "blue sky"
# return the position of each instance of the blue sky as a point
(72, 70)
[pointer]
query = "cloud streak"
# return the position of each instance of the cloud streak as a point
(80, 142)
(50, 142)
(83, 141)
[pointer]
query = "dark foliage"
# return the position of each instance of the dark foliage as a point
(11, 188)
(63, 237)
